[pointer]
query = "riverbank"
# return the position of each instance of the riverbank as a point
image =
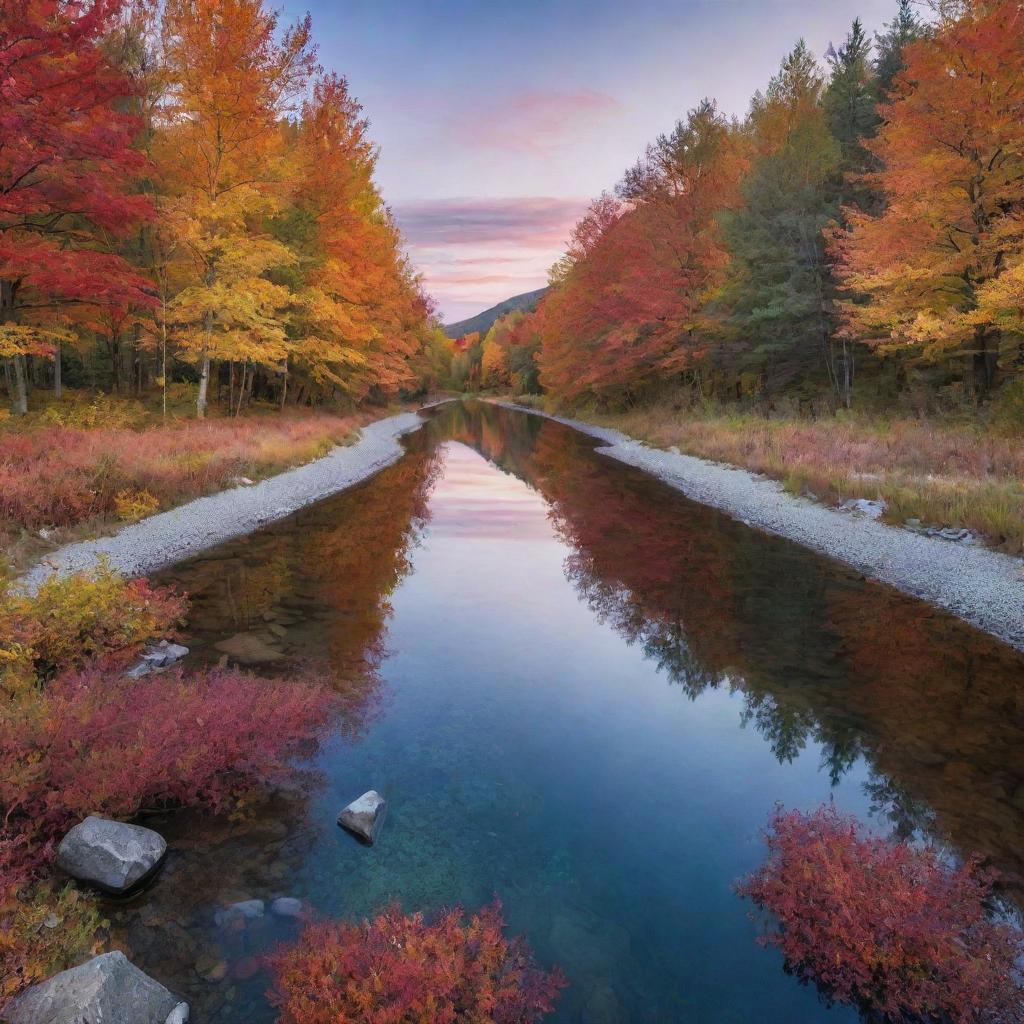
(935, 473)
(90, 470)
(984, 588)
(160, 540)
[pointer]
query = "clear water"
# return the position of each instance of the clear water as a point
(584, 694)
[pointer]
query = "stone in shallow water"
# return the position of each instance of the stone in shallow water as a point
(243, 910)
(107, 988)
(363, 817)
(110, 854)
(286, 906)
(249, 649)
(157, 656)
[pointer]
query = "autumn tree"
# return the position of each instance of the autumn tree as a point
(623, 310)
(232, 79)
(66, 172)
(941, 270)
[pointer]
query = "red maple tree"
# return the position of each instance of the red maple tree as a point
(66, 169)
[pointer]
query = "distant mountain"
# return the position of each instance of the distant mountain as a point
(482, 321)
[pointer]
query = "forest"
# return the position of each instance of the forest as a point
(192, 202)
(854, 242)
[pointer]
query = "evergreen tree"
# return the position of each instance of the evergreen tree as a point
(778, 299)
(851, 99)
(904, 29)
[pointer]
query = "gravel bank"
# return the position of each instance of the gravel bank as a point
(180, 532)
(982, 587)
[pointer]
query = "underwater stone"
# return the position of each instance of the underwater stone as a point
(363, 817)
(286, 906)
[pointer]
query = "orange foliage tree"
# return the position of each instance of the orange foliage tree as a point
(360, 308)
(941, 269)
(624, 311)
(221, 153)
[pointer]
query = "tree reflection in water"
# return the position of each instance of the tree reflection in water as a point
(325, 588)
(819, 654)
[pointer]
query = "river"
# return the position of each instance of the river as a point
(584, 694)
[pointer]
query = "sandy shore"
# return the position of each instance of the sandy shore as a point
(980, 586)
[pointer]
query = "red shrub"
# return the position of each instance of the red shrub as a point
(96, 742)
(886, 926)
(59, 476)
(397, 969)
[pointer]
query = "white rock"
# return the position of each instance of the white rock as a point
(286, 906)
(248, 910)
(111, 855)
(363, 817)
(156, 656)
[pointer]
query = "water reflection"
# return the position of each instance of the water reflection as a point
(819, 654)
(319, 592)
(517, 629)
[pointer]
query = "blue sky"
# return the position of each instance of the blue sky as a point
(498, 122)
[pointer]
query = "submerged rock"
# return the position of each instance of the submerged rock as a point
(108, 988)
(243, 910)
(249, 649)
(363, 817)
(111, 855)
(286, 906)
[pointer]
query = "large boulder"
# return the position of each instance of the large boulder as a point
(363, 817)
(107, 989)
(111, 855)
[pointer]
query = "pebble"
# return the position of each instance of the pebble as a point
(981, 586)
(141, 548)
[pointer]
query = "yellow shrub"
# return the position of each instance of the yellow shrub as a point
(73, 619)
(96, 413)
(131, 506)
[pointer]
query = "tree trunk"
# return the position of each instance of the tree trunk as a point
(58, 384)
(19, 400)
(985, 361)
(204, 379)
(241, 390)
(284, 385)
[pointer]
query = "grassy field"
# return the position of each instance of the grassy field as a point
(943, 474)
(82, 468)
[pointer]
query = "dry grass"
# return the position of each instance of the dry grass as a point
(74, 481)
(943, 474)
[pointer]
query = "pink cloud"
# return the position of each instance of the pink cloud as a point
(475, 252)
(532, 221)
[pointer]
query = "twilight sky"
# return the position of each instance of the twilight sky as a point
(499, 121)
